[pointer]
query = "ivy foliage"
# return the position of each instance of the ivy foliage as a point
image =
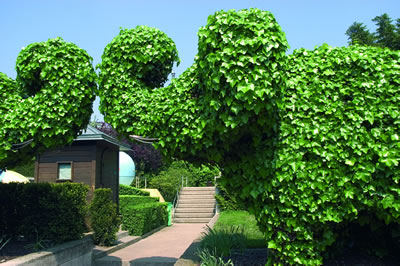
(133, 64)
(216, 95)
(338, 153)
(49, 102)
(308, 141)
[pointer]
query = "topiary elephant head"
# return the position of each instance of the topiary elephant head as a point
(49, 102)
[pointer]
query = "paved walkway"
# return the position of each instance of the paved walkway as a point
(164, 247)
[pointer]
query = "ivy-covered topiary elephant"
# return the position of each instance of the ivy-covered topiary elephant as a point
(49, 102)
(309, 140)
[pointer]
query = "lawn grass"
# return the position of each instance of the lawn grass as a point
(245, 221)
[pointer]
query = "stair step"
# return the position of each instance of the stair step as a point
(196, 205)
(192, 220)
(184, 210)
(197, 192)
(198, 189)
(198, 197)
(194, 215)
(196, 201)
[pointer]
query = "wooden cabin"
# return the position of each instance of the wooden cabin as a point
(92, 159)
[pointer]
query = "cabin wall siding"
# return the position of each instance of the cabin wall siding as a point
(81, 153)
(82, 172)
(47, 172)
(94, 163)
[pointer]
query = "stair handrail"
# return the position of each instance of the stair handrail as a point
(183, 179)
(174, 203)
(216, 206)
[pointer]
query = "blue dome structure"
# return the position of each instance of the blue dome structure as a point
(126, 169)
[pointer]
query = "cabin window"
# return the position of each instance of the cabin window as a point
(65, 171)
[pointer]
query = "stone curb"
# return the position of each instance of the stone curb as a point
(58, 255)
(70, 251)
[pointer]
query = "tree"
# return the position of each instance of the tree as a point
(359, 34)
(387, 34)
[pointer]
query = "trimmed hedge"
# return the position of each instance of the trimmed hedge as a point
(132, 200)
(54, 212)
(104, 217)
(141, 219)
(128, 190)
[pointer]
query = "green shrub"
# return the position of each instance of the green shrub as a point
(131, 200)
(54, 212)
(210, 258)
(128, 190)
(227, 201)
(10, 209)
(202, 175)
(104, 218)
(169, 180)
(140, 219)
(221, 241)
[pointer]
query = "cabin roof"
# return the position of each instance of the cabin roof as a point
(92, 133)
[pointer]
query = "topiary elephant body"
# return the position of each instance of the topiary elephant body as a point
(310, 140)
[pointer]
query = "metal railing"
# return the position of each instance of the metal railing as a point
(174, 204)
(184, 182)
(137, 182)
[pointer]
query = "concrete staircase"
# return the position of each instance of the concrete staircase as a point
(195, 205)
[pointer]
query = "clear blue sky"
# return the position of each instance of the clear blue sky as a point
(93, 24)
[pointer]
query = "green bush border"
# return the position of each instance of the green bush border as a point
(133, 200)
(140, 219)
(43, 211)
(104, 218)
(129, 190)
